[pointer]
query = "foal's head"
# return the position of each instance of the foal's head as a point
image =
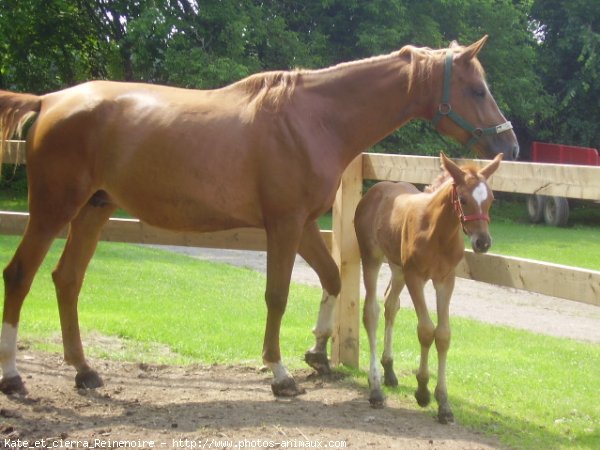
(466, 110)
(472, 198)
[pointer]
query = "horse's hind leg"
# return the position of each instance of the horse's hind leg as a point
(49, 213)
(18, 276)
(371, 266)
(68, 276)
(392, 305)
(314, 251)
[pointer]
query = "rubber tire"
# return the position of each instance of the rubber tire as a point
(535, 208)
(556, 211)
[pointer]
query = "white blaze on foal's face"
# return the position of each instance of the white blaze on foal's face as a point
(480, 194)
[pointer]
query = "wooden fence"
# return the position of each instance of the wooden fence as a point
(580, 182)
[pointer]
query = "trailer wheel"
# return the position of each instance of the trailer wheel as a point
(535, 208)
(556, 211)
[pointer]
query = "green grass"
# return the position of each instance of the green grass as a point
(577, 245)
(529, 390)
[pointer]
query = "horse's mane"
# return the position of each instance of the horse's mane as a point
(273, 89)
(444, 176)
(270, 89)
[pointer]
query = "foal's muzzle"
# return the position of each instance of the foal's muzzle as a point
(481, 242)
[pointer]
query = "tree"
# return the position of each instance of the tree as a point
(569, 54)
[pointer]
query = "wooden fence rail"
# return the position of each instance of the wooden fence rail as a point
(582, 182)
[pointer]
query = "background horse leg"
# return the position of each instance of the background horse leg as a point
(392, 305)
(68, 276)
(371, 268)
(425, 332)
(443, 290)
(315, 253)
(282, 244)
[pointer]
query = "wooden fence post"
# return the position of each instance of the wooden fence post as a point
(344, 343)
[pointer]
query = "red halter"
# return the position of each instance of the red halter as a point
(461, 214)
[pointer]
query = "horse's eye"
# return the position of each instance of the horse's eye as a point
(479, 92)
(462, 200)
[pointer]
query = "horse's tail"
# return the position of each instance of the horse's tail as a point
(15, 109)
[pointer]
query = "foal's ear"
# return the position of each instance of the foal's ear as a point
(450, 166)
(488, 170)
(472, 50)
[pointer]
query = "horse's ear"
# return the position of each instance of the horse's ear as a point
(472, 50)
(488, 170)
(450, 166)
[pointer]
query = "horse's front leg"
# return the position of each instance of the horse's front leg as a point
(282, 245)
(426, 334)
(443, 290)
(315, 253)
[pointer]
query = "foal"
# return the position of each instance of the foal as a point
(419, 235)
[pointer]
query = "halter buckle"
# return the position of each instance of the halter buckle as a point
(444, 109)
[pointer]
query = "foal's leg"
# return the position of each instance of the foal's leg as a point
(371, 267)
(282, 245)
(315, 253)
(392, 305)
(426, 334)
(443, 290)
(68, 278)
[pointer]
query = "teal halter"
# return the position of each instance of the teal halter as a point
(445, 110)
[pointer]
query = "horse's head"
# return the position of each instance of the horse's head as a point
(472, 198)
(467, 111)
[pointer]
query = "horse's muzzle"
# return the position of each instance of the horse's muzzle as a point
(481, 243)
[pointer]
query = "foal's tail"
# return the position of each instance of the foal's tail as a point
(15, 109)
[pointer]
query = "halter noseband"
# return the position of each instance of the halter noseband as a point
(445, 110)
(461, 214)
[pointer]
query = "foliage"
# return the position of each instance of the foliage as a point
(542, 57)
(569, 54)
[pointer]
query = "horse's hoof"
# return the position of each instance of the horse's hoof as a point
(287, 388)
(13, 385)
(376, 399)
(423, 397)
(318, 361)
(88, 379)
(445, 415)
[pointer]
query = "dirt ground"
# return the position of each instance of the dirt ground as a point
(209, 407)
(144, 406)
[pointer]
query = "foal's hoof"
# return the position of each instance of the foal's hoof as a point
(287, 388)
(376, 399)
(389, 377)
(423, 397)
(445, 415)
(13, 385)
(88, 379)
(318, 361)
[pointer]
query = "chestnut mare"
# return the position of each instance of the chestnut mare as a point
(266, 152)
(419, 235)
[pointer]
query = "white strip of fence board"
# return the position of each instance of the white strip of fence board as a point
(572, 181)
(571, 283)
(135, 231)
